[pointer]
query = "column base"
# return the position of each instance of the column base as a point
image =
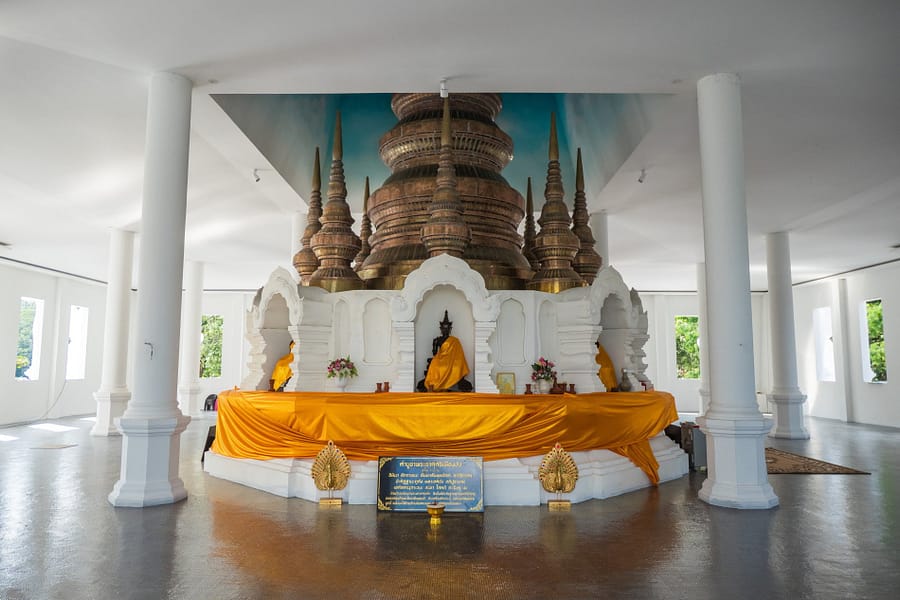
(189, 400)
(788, 415)
(704, 400)
(150, 454)
(110, 406)
(736, 462)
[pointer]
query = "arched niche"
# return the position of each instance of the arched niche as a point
(615, 333)
(431, 312)
(341, 328)
(377, 332)
(548, 331)
(443, 270)
(623, 320)
(276, 339)
(510, 335)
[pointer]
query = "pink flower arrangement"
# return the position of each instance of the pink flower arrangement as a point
(341, 367)
(543, 369)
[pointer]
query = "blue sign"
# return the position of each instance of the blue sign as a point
(410, 483)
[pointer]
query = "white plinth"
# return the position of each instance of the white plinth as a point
(150, 450)
(788, 415)
(110, 406)
(511, 482)
(736, 463)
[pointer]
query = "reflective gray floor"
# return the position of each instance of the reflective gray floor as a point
(833, 536)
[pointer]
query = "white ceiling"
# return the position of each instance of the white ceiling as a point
(821, 102)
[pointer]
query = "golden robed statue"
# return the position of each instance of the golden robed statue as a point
(607, 372)
(282, 371)
(447, 368)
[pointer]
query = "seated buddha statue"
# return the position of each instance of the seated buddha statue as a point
(282, 373)
(607, 372)
(447, 368)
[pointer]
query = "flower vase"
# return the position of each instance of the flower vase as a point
(543, 386)
(342, 382)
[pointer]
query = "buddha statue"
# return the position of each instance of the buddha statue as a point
(447, 368)
(282, 373)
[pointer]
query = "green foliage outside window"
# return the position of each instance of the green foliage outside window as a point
(687, 350)
(211, 348)
(875, 323)
(26, 337)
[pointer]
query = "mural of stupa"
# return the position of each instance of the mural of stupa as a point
(492, 209)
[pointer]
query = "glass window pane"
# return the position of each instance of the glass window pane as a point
(31, 329)
(211, 347)
(874, 364)
(687, 348)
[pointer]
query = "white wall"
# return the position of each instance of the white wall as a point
(849, 397)
(50, 396)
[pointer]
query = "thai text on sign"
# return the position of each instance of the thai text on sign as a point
(410, 483)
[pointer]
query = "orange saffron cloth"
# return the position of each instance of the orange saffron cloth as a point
(607, 372)
(365, 426)
(447, 367)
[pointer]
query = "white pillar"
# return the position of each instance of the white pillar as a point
(189, 364)
(152, 424)
(600, 229)
(703, 338)
(734, 427)
(113, 395)
(785, 394)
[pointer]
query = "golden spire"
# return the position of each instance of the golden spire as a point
(305, 261)
(365, 230)
(335, 245)
(555, 246)
(528, 248)
(586, 262)
(446, 231)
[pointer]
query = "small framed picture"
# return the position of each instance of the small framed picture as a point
(506, 383)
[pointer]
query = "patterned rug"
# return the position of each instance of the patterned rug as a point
(781, 462)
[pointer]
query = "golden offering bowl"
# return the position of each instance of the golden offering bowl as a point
(435, 509)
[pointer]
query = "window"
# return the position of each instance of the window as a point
(687, 350)
(874, 366)
(211, 347)
(824, 340)
(31, 329)
(76, 355)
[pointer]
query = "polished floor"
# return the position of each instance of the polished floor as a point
(833, 536)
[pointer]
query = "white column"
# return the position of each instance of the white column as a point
(152, 424)
(785, 394)
(600, 229)
(734, 427)
(113, 395)
(703, 338)
(189, 364)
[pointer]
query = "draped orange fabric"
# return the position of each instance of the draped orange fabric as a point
(265, 425)
(447, 367)
(607, 372)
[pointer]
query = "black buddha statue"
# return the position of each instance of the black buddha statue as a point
(451, 363)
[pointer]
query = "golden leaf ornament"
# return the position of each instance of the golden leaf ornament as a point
(331, 469)
(558, 471)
